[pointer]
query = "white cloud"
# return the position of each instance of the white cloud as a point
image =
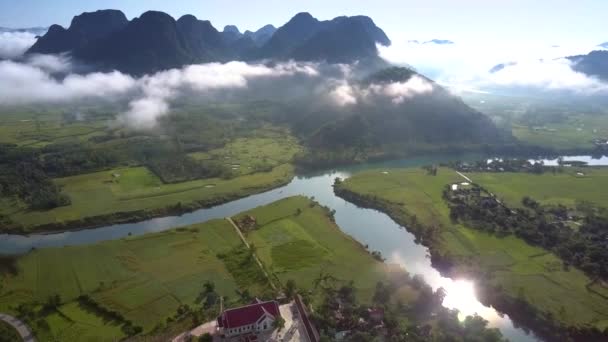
(342, 93)
(14, 44)
(24, 83)
(144, 112)
(32, 81)
(50, 63)
(552, 74)
(466, 65)
(400, 91)
(158, 89)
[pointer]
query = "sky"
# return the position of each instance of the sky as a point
(551, 22)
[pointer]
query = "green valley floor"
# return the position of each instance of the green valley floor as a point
(148, 279)
(414, 199)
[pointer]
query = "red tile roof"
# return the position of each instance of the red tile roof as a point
(245, 315)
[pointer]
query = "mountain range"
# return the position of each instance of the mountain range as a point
(156, 41)
(436, 117)
(594, 64)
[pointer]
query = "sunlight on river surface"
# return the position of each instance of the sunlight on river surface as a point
(461, 295)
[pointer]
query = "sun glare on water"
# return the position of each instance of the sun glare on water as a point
(460, 295)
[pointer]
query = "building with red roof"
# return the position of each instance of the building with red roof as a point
(254, 318)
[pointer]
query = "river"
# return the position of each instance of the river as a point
(369, 227)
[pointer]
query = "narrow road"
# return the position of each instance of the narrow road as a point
(22, 329)
(465, 177)
(254, 255)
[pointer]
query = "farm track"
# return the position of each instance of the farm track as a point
(238, 231)
(24, 331)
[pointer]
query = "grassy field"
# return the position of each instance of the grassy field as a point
(36, 127)
(136, 188)
(565, 188)
(75, 141)
(577, 131)
(144, 278)
(303, 246)
(72, 323)
(555, 123)
(518, 267)
(263, 151)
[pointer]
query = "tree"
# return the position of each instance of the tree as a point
(52, 302)
(209, 286)
(245, 295)
(347, 293)
(278, 323)
(206, 337)
(290, 288)
(382, 294)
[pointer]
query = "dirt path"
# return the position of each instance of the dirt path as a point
(465, 177)
(254, 256)
(22, 329)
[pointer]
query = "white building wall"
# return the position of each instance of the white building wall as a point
(266, 322)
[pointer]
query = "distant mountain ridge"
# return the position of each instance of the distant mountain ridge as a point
(434, 117)
(34, 30)
(501, 66)
(432, 41)
(594, 64)
(156, 41)
(261, 36)
(439, 42)
(84, 29)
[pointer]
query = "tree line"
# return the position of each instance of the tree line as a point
(421, 319)
(546, 226)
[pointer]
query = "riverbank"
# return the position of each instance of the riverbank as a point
(97, 202)
(509, 273)
(314, 160)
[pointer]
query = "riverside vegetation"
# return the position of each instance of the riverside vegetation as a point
(523, 279)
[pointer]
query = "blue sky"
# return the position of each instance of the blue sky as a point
(540, 21)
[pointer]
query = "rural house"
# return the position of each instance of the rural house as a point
(255, 318)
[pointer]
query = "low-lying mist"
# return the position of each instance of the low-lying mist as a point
(40, 79)
(468, 67)
(14, 43)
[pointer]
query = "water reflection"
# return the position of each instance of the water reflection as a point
(460, 294)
